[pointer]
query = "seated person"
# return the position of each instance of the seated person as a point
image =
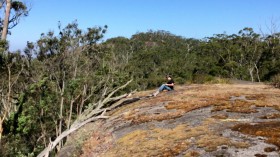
(168, 86)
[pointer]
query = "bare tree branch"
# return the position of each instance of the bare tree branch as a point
(108, 98)
(64, 134)
(86, 117)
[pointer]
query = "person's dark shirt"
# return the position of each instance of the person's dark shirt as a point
(171, 82)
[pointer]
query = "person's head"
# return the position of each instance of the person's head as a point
(168, 77)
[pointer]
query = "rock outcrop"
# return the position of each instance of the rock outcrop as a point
(194, 120)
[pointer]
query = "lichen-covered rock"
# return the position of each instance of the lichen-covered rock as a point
(195, 120)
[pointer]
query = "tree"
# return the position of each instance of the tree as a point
(250, 44)
(70, 71)
(14, 10)
(12, 73)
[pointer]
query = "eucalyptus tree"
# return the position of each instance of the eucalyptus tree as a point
(270, 60)
(72, 74)
(13, 11)
(251, 47)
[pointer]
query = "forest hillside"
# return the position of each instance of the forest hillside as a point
(66, 80)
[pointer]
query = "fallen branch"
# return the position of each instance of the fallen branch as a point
(46, 151)
(108, 98)
(86, 117)
(100, 104)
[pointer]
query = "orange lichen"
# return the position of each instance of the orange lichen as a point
(210, 140)
(210, 143)
(256, 97)
(277, 106)
(187, 105)
(220, 105)
(192, 154)
(155, 142)
(271, 116)
(220, 116)
(270, 149)
(172, 142)
(98, 143)
(271, 130)
(144, 117)
(240, 106)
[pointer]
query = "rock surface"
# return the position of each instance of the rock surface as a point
(225, 120)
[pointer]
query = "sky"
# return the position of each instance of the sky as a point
(187, 18)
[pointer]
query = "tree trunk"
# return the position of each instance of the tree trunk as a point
(251, 70)
(257, 70)
(71, 110)
(52, 145)
(61, 114)
(93, 115)
(6, 103)
(70, 114)
(1, 128)
(6, 20)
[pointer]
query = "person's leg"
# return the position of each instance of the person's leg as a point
(167, 88)
(161, 88)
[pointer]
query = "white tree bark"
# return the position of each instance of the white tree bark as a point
(6, 20)
(88, 116)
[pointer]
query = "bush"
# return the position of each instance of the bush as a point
(180, 80)
(275, 81)
(218, 80)
(202, 78)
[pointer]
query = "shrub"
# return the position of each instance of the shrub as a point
(275, 81)
(202, 78)
(180, 80)
(218, 80)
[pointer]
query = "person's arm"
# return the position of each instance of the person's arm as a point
(170, 84)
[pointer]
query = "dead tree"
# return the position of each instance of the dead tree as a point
(93, 113)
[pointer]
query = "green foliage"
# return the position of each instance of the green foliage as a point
(202, 78)
(180, 80)
(17, 6)
(17, 10)
(158, 53)
(4, 45)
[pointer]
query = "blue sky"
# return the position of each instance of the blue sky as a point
(187, 18)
